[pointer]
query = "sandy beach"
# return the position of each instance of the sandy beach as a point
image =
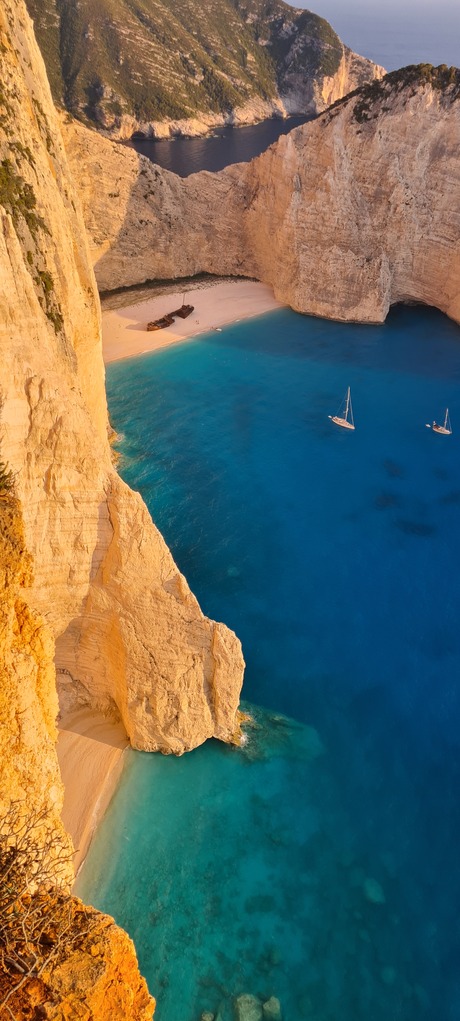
(124, 330)
(90, 753)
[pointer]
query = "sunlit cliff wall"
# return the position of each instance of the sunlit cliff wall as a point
(130, 636)
(343, 217)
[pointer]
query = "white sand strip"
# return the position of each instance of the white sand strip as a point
(90, 750)
(124, 330)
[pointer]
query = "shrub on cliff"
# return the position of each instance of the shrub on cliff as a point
(6, 479)
(40, 922)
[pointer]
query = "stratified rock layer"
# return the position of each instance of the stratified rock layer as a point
(344, 216)
(130, 637)
(96, 974)
(29, 771)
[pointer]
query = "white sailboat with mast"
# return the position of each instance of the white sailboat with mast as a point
(345, 416)
(446, 429)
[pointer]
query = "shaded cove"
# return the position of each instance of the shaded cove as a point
(184, 156)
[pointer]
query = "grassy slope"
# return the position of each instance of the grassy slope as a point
(170, 58)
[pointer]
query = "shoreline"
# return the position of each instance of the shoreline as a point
(90, 751)
(216, 304)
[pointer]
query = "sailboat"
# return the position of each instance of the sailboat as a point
(446, 429)
(345, 416)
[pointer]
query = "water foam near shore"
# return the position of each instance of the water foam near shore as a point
(318, 863)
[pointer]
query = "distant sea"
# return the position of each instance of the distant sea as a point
(319, 862)
(394, 33)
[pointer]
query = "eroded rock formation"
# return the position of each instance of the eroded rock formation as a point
(343, 217)
(130, 636)
(29, 771)
(99, 979)
(93, 970)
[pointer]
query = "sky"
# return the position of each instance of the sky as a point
(395, 32)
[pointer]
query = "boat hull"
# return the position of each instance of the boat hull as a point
(342, 422)
(442, 430)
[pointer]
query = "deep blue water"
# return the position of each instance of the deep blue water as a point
(184, 156)
(319, 863)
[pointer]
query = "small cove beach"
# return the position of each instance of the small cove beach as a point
(216, 304)
(90, 754)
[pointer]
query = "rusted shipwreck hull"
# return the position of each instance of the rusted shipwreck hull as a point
(161, 324)
(183, 311)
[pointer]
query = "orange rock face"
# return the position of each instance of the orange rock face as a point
(99, 981)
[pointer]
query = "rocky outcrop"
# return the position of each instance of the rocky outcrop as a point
(344, 216)
(29, 771)
(95, 971)
(181, 69)
(99, 979)
(84, 966)
(130, 637)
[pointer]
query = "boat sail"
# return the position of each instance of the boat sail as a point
(446, 429)
(345, 415)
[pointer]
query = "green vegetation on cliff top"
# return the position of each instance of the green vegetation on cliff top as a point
(166, 59)
(370, 99)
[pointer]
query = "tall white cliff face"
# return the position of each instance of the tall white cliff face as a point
(344, 216)
(130, 637)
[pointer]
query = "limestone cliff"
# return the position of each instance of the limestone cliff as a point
(92, 971)
(343, 217)
(29, 771)
(130, 636)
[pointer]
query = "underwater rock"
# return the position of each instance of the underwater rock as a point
(248, 1008)
(272, 1009)
(207, 1016)
(373, 891)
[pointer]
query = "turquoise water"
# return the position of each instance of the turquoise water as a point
(318, 863)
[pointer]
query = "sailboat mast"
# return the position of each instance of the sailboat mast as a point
(347, 404)
(445, 420)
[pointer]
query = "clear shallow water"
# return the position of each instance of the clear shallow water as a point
(334, 556)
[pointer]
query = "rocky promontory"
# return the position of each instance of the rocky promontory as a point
(168, 69)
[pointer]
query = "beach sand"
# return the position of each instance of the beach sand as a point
(90, 753)
(124, 332)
